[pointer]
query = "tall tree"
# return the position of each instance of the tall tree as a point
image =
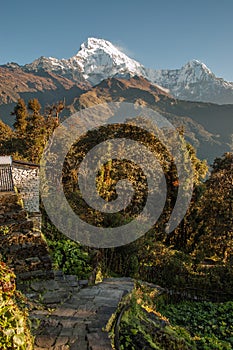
(36, 131)
(21, 115)
(6, 135)
(213, 235)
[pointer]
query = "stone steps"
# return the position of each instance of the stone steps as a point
(8, 199)
(79, 315)
(18, 225)
(15, 215)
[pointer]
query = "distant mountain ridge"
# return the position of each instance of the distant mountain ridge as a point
(208, 127)
(99, 59)
(46, 86)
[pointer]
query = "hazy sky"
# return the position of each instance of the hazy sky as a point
(159, 34)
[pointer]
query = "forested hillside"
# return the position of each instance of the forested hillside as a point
(193, 262)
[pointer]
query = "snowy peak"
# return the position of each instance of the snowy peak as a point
(103, 52)
(194, 71)
(100, 59)
(46, 63)
(94, 45)
(195, 64)
(194, 82)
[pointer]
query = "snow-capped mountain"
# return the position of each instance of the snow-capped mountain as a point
(99, 59)
(96, 60)
(194, 82)
(67, 68)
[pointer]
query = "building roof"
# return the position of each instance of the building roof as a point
(6, 180)
(5, 160)
(29, 164)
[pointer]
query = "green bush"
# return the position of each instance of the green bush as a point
(67, 255)
(14, 329)
(70, 257)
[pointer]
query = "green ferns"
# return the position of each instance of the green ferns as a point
(14, 330)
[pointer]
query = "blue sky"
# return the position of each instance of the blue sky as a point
(159, 34)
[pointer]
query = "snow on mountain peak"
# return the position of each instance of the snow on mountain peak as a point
(48, 64)
(193, 72)
(197, 67)
(94, 46)
(99, 59)
(95, 43)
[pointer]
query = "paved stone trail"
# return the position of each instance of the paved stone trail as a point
(75, 317)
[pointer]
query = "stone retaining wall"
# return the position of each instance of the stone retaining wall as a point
(26, 180)
(22, 245)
